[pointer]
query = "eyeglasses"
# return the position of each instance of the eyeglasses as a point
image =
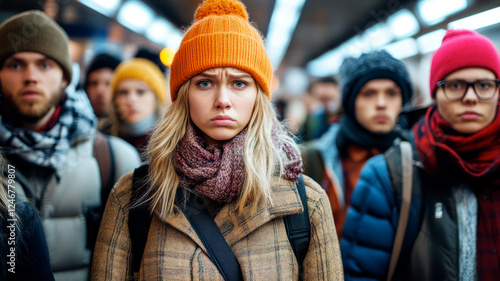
(457, 89)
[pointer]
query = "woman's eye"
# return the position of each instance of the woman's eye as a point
(204, 84)
(455, 85)
(240, 84)
(485, 85)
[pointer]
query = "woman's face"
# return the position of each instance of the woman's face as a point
(221, 102)
(470, 114)
(134, 100)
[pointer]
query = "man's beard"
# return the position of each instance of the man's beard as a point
(31, 111)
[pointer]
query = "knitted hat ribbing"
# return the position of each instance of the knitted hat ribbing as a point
(221, 36)
(144, 70)
(34, 31)
(462, 49)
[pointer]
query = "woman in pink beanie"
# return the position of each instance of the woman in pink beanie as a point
(453, 221)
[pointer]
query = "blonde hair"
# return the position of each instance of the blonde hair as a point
(261, 156)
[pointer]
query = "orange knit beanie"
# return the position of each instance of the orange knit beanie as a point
(221, 36)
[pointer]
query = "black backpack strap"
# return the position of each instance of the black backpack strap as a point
(211, 237)
(139, 217)
(298, 227)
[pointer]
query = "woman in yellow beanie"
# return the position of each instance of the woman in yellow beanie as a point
(223, 188)
(139, 93)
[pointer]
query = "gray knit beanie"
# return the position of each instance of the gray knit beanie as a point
(34, 31)
(355, 73)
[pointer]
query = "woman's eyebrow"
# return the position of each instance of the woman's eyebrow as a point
(242, 75)
(232, 75)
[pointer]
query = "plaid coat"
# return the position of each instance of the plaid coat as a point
(258, 240)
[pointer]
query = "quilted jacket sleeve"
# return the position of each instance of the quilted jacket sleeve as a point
(370, 225)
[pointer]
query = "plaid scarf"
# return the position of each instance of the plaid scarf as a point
(473, 159)
(217, 171)
(49, 148)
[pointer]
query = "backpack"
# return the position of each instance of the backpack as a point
(103, 153)
(298, 230)
(400, 164)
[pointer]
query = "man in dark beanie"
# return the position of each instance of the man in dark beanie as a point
(97, 87)
(375, 87)
(47, 136)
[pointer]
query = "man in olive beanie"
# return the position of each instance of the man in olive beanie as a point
(33, 31)
(48, 134)
(375, 87)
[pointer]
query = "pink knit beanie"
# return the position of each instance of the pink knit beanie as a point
(462, 49)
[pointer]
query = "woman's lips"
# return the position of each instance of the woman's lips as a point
(222, 120)
(469, 116)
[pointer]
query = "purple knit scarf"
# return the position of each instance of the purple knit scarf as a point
(217, 171)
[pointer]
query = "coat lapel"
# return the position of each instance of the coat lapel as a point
(235, 226)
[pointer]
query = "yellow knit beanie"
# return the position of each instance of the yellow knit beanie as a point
(221, 36)
(144, 70)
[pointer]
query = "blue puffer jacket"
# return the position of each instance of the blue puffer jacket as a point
(431, 249)
(370, 228)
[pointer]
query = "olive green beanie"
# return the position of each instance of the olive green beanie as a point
(34, 31)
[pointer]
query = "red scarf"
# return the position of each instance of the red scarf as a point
(474, 159)
(217, 171)
(447, 153)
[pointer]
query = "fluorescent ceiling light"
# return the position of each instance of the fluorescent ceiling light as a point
(403, 49)
(107, 8)
(285, 16)
(431, 41)
(378, 35)
(174, 39)
(355, 46)
(435, 11)
(162, 32)
(403, 24)
(327, 64)
(135, 15)
(158, 31)
(477, 21)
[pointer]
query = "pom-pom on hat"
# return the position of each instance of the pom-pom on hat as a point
(144, 70)
(461, 49)
(221, 36)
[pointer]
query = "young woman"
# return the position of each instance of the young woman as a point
(23, 248)
(139, 97)
(452, 231)
(220, 140)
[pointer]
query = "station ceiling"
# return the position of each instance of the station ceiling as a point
(322, 26)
